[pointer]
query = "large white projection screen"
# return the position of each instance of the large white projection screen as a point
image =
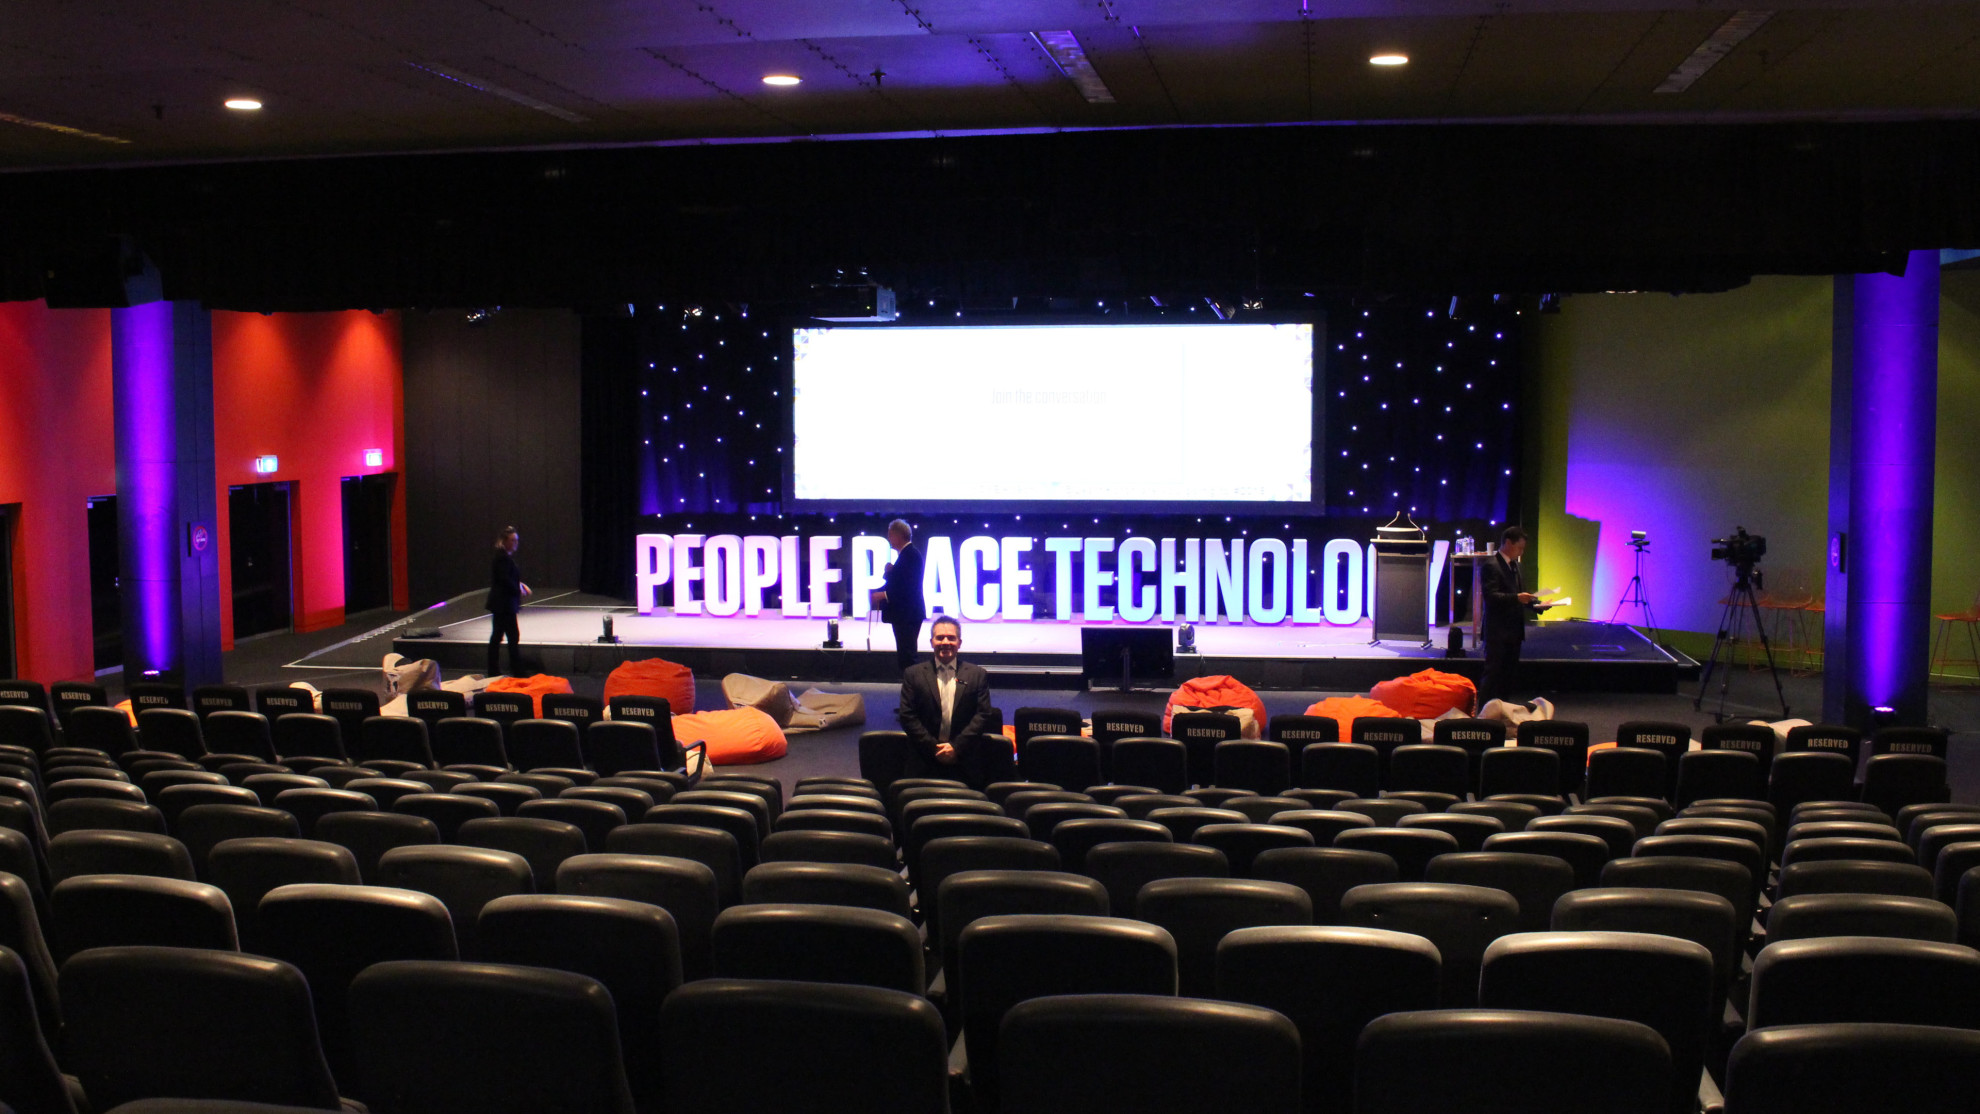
(1086, 414)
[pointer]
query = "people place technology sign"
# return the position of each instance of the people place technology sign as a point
(1193, 580)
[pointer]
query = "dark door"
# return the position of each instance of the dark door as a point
(258, 522)
(8, 663)
(106, 597)
(367, 542)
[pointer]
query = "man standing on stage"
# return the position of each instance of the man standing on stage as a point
(944, 700)
(505, 595)
(1507, 604)
(900, 601)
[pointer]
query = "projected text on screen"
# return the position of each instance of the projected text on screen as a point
(1087, 414)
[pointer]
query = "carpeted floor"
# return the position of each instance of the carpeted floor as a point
(367, 638)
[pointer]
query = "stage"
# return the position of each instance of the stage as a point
(560, 634)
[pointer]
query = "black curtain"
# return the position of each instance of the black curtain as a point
(611, 457)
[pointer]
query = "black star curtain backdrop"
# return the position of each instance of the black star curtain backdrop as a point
(687, 423)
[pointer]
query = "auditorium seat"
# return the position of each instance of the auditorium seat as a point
(105, 729)
(1709, 773)
(825, 846)
(818, 943)
(1183, 822)
(394, 743)
(1814, 1069)
(1432, 768)
(1704, 918)
(1460, 920)
(504, 708)
(1200, 732)
(1865, 979)
(75, 854)
(1385, 811)
(543, 843)
(931, 825)
(1521, 769)
(350, 707)
(1069, 761)
(1853, 876)
(1512, 816)
(20, 858)
(1619, 835)
(1322, 824)
(1041, 818)
(536, 743)
(1628, 772)
(546, 784)
(1892, 781)
(965, 896)
(755, 805)
(29, 1077)
(1014, 958)
(508, 796)
(369, 835)
(581, 712)
(1954, 862)
(1471, 832)
(26, 727)
(685, 889)
(1411, 848)
(840, 1048)
(849, 802)
(1534, 881)
(1139, 805)
(307, 735)
(1356, 767)
(84, 813)
(105, 787)
(441, 1038)
(1811, 916)
(1075, 837)
(238, 731)
(208, 699)
(275, 701)
(1330, 982)
(738, 823)
(463, 878)
(1261, 810)
(108, 910)
(1325, 874)
(1474, 737)
(1729, 880)
(1014, 804)
(387, 791)
(203, 827)
(1868, 850)
(1658, 981)
(1261, 767)
(1829, 738)
(246, 869)
(1243, 843)
(66, 696)
(155, 694)
(632, 948)
(1154, 761)
(854, 821)
(1298, 730)
(146, 1022)
(22, 934)
(1199, 911)
(1510, 1060)
(468, 741)
(448, 811)
(1148, 1053)
(851, 884)
(711, 847)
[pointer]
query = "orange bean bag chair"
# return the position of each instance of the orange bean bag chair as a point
(735, 736)
(1346, 709)
(1428, 694)
(653, 677)
(1216, 692)
(537, 687)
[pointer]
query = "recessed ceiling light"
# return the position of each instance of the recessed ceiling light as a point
(1388, 59)
(781, 79)
(244, 104)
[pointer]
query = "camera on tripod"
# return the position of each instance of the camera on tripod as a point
(1741, 550)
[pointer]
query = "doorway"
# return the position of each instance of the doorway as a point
(367, 542)
(259, 526)
(106, 595)
(9, 665)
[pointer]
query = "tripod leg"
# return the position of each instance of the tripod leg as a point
(1768, 651)
(1712, 662)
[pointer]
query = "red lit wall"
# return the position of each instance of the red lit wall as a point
(314, 390)
(57, 448)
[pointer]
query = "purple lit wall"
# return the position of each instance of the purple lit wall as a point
(1891, 378)
(162, 396)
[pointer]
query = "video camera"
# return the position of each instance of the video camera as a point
(1739, 549)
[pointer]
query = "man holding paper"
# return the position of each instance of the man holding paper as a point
(1507, 607)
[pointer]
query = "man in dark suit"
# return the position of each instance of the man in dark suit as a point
(944, 701)
(900, 601)
(1507, 605)
(505, 595)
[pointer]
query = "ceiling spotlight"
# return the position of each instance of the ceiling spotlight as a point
(1390, 59)
(781, 79)
(243, 104)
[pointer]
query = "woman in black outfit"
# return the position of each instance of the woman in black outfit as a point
(505, 595)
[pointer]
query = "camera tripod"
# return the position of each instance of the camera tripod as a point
(1739, 602)
(1633, 594)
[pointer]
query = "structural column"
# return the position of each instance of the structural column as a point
(162, 393)
(1882, 439)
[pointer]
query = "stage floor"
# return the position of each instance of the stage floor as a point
(562, 632)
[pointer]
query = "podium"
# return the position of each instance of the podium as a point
(1402, 582)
